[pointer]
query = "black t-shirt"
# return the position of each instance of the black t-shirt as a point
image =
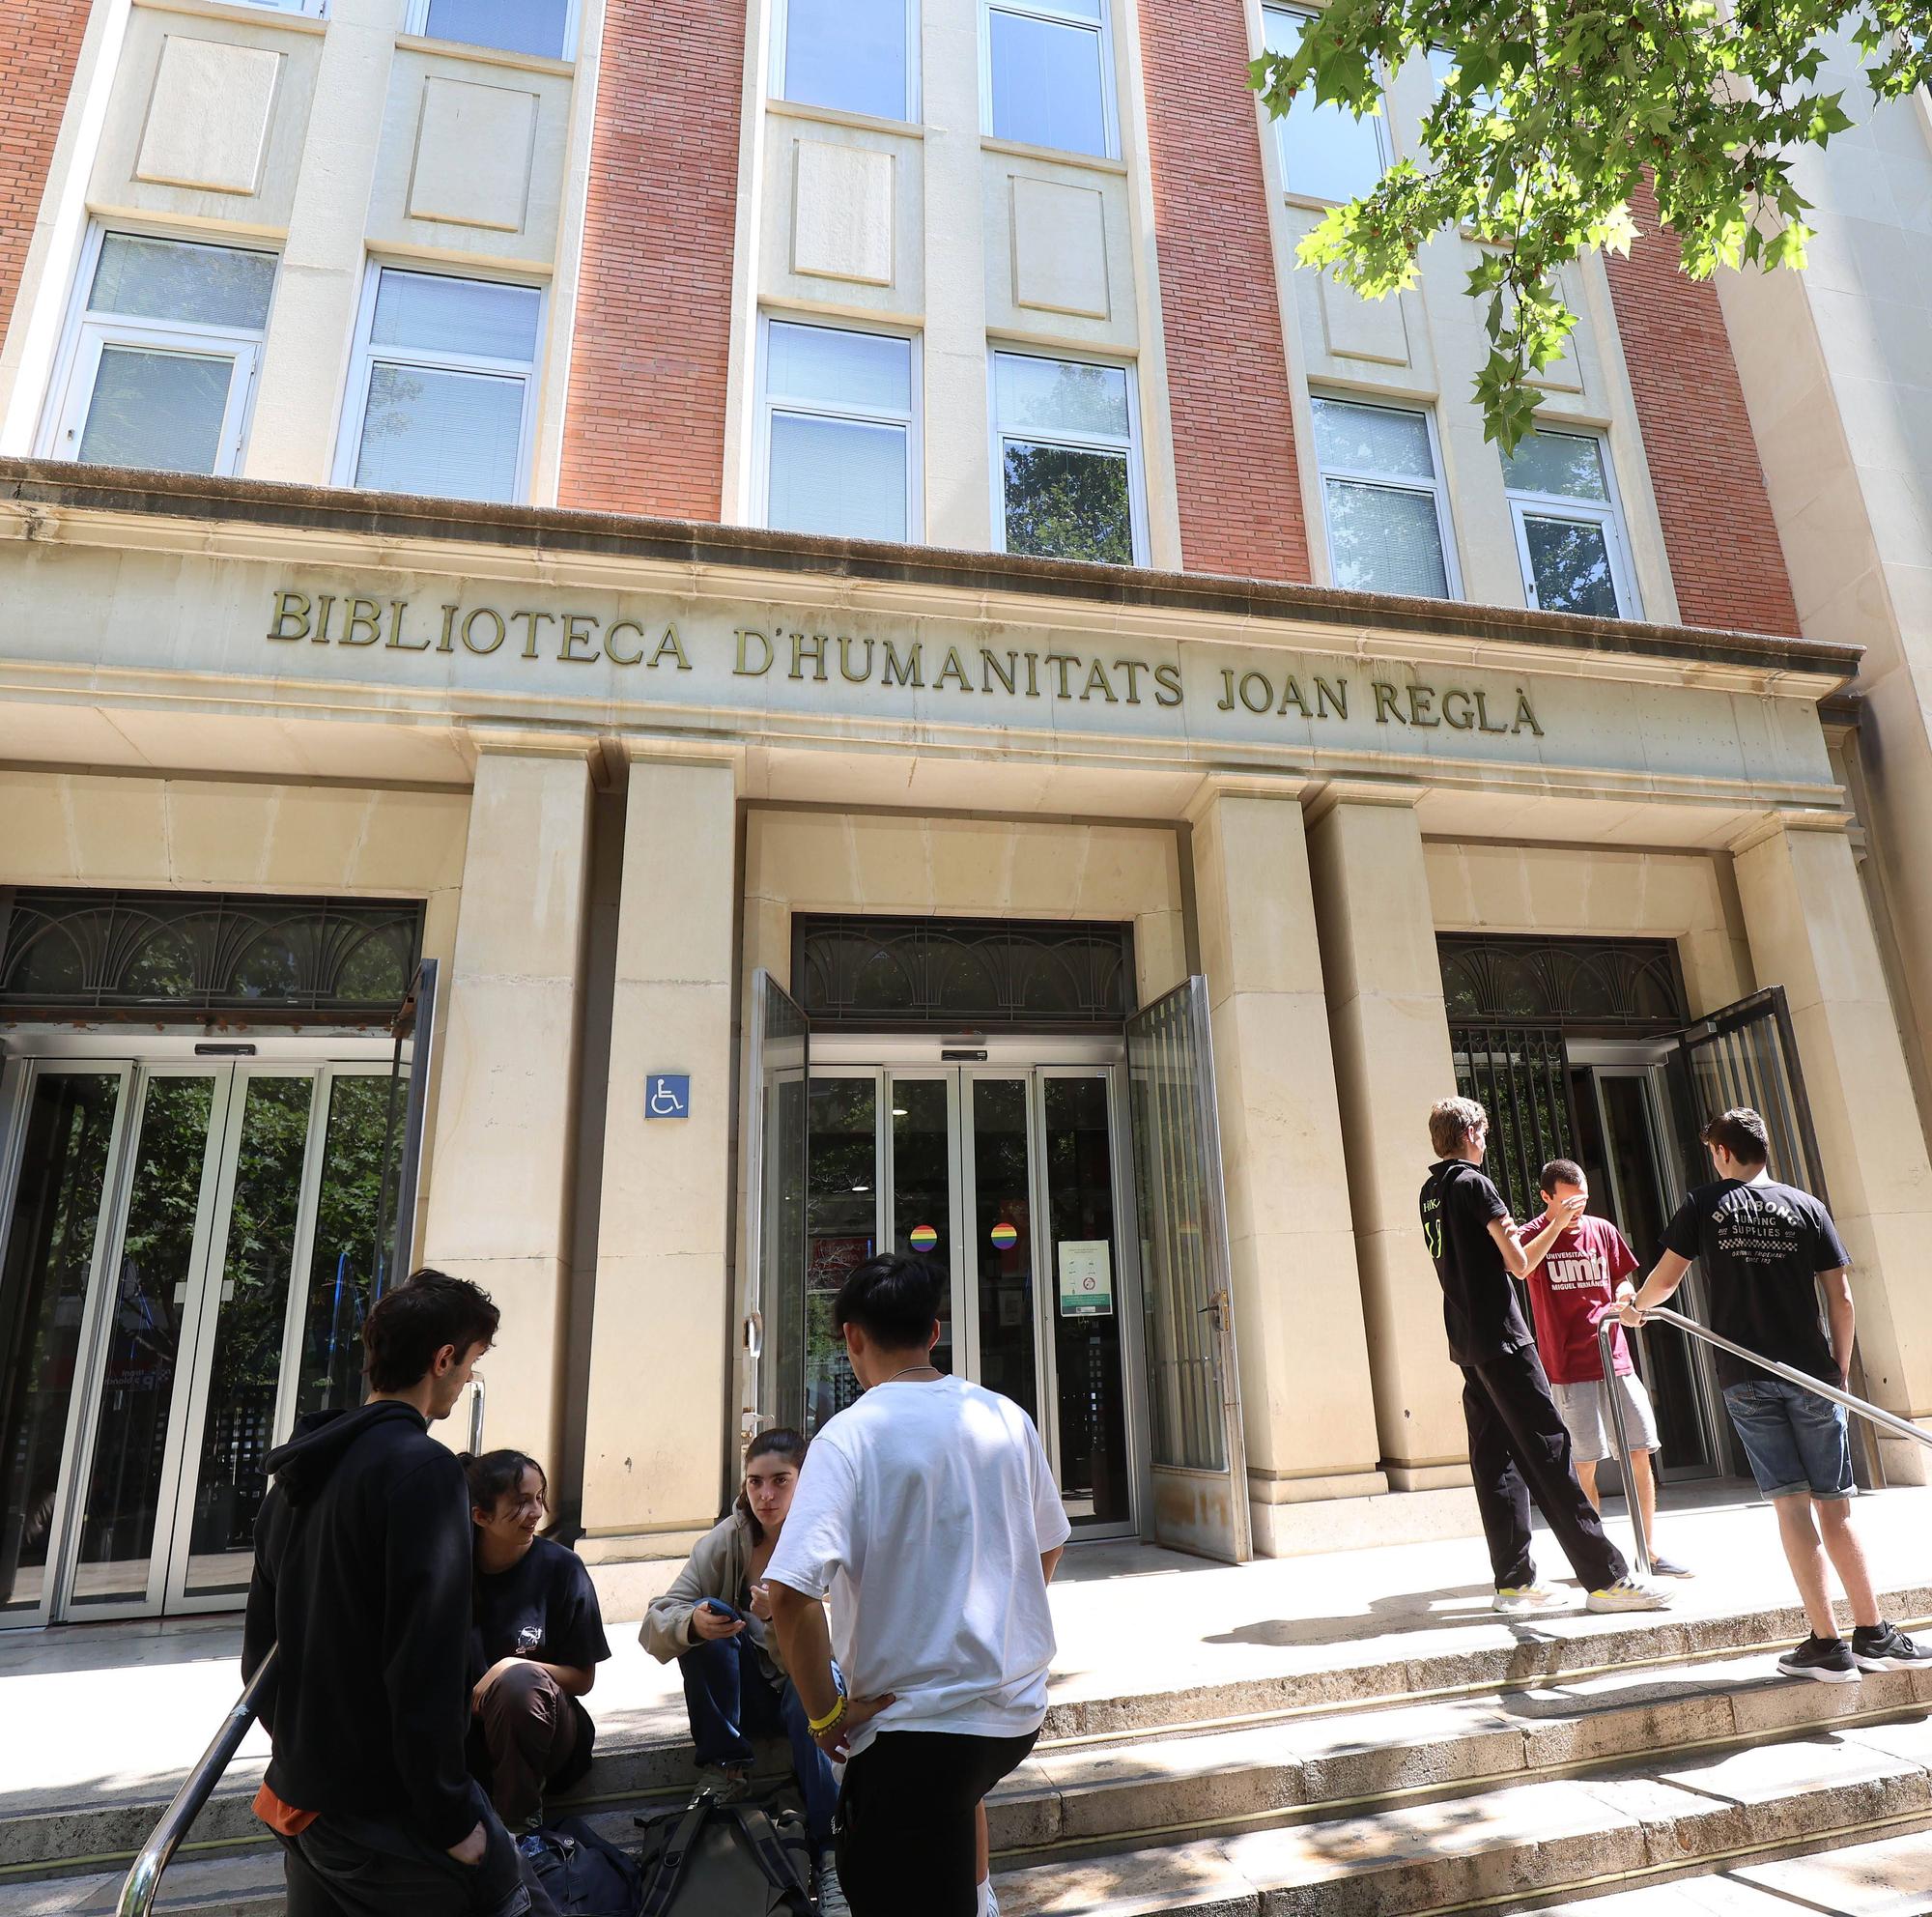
(1761, 1247)
(1480, 1310)
(543, 1607)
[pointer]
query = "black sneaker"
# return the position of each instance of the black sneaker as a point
(1830, 1660)
(1880, 1647)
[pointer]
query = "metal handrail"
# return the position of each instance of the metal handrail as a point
(1607, 1320)
(144, 1880)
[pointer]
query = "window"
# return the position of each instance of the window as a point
(161, 361)
(442, 387)
(547, 27)
(1064, 463)
(1569, 532)
(1381, 493)
(1047, 75)
(855, 55)
(314, 7)
(837, 442)
(1326, 153)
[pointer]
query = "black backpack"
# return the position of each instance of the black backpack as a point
(585, 1875)
(725, 1860)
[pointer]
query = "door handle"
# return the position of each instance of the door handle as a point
(754, 1335)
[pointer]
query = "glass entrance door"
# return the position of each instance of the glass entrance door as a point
(187, 1254)
(1007, 1180)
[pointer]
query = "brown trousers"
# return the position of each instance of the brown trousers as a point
(529, 1732)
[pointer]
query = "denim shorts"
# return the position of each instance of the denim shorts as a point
(1797, 1443)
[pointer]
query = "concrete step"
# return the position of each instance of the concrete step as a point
(1524, 1654)
(1617, 1840)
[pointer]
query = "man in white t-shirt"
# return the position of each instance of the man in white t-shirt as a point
(927, 1513)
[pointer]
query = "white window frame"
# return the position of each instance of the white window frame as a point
(85, 334)
(1606, 513)
(1081, 441)
(417, 22)
(762, 473)
(1059, 15)
(782, 28)
(314, 10)
(1391, 482)
(1379, 123)
(354, 411)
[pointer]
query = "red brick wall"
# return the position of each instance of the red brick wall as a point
(1725, 553)
(1227, 367)
(644, 431)
(40, 41)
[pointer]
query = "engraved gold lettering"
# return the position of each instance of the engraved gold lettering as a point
(990, 669)
(1130, 666)
(1421, 701)
(1291, 695)
(1457, 710)
(495, 618)
(610, 651)
(953, 668)
(1336, 696)
(364, 616)
(1168, 679)
(1525, 715)
(1066, 661)
(845, 671)
(1098, 681)
(322, 608)
(1033, 674)
(741, 667)
(396, 641)
(813, 649)
(447, 642)
(289, 606)
(1226, 703)
(1387, 703)
(531, 636)
(579, 629)
(898, 671)
(1483, 715)
(670, 643)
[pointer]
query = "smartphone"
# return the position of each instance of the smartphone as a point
(723, 1609)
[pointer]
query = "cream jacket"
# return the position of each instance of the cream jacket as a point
(714, 1569)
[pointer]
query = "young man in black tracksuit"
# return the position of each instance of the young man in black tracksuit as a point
(362, 1586)
(1518, 1447)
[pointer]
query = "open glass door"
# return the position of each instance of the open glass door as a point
(1199, 1457)
(1747, 1054)
(775, 1303)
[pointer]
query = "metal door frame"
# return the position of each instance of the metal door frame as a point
(117, 1196)
(1032, 1059)
(26, 1073)
(358, 1054)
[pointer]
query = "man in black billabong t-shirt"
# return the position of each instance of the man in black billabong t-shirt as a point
(1519, 1445)
(1766, 1248)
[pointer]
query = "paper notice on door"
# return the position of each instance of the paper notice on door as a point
(1086, 1277)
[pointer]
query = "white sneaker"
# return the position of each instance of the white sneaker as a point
(831, 1893)
(1513, 1598)
(1628, 1594)
(989, 1905)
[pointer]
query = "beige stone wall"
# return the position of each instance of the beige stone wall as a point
(1575, 892)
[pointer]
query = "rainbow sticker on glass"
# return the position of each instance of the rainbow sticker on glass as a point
(1006, 1236)
(923, 1238)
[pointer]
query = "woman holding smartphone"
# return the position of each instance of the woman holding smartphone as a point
(715, 1621)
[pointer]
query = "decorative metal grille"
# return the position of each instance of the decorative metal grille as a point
(183, 952)
(1583, 986)
(889, 974)
(1520, 1078)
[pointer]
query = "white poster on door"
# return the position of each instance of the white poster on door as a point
(1086, 1277)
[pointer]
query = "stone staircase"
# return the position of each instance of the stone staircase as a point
(1645, 1770)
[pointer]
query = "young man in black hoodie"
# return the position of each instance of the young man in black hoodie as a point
(362, 1586)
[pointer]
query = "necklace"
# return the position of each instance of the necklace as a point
(904, 1368)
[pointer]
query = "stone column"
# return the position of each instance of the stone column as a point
(1809, 931)
(662, 1337)
(1305, 1391)
(500, 1177)
(1392, 1060)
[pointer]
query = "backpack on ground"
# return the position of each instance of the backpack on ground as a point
(585, 1875)
(725, 1860)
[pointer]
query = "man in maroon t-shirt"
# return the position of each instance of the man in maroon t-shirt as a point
(1578, 1265)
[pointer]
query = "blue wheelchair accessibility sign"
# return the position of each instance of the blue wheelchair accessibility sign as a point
(667, 1094)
